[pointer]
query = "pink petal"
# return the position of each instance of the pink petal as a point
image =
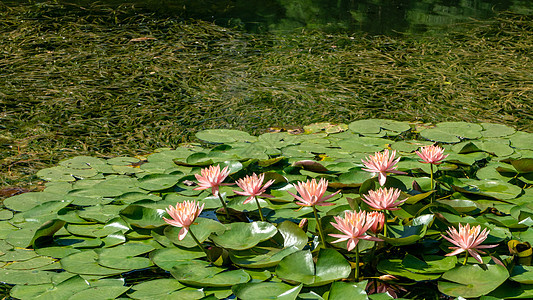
(183, 233)
(382, 178)
(475, 255)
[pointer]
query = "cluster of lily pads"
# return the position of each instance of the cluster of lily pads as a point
(98, 229)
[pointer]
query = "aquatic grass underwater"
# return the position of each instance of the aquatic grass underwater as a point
(119, 81)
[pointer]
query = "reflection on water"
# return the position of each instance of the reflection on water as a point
(371, 16)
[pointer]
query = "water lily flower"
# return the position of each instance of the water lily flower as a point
(468, 239)
(382, 164)
(183, 215)
(383, 199)
(432, 154)
(252, 187)
(379, 221)
(212, 177)
(312, 193)
(353, 226)
(383, 287)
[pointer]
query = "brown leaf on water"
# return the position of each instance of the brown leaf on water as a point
(12, 191)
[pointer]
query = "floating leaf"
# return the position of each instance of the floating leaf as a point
(158, 182)
(199, 273)
(345, 290)
(241, 236)
(202, 230)
(143, 217)
(472, 280)
(224, 136)
(299, 267)
(168, 257)
(266, 290)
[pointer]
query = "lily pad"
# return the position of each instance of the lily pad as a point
(199, 273)
(472, 280)
(266, 290)
(224, 136)
(299, 267)
(241, 236)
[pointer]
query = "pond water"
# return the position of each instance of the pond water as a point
(370, 16)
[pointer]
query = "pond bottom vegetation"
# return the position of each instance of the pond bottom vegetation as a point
(374, 209)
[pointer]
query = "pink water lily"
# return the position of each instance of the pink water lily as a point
(379, 221)
(432, 154)
(382, 164)
(312, 193)
(468, 239)
(383, 199)
(212, 178)
(252, 186)
(354, 226)
(183, 215)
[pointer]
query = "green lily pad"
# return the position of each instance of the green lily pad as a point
(62, 290)
(143, 217)
(523, 165)
(202, 230)
(496, 130)
(27, 201)
(25, 276)
(224, 136)
(100, 292)
(158, 182)
(299, 267)
(489, 187)
(345, 290)
(472, 280)
(266, 290)
(125, 256)
(199, 273)
(522, 274)
(168, 257)
(241, 236)
(86, 262)
(164, 288)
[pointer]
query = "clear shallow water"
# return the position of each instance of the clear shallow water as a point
(368, 16)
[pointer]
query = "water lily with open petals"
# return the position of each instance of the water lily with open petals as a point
(212, 177)
(354, 226)
(183, 215)
(382, 164)
(312, 193)
(468, 239)
(252, 186)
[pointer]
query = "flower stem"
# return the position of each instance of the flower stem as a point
(259, 209)
(223, 204)
(357, 262)
(466, 258)
(199, 244)
(385, 223)
(432, 184)
(319, 227)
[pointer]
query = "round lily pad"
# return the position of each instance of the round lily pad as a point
(224, 136)
(472, 280)
(240, 236)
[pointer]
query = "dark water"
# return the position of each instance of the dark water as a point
(369, 16)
